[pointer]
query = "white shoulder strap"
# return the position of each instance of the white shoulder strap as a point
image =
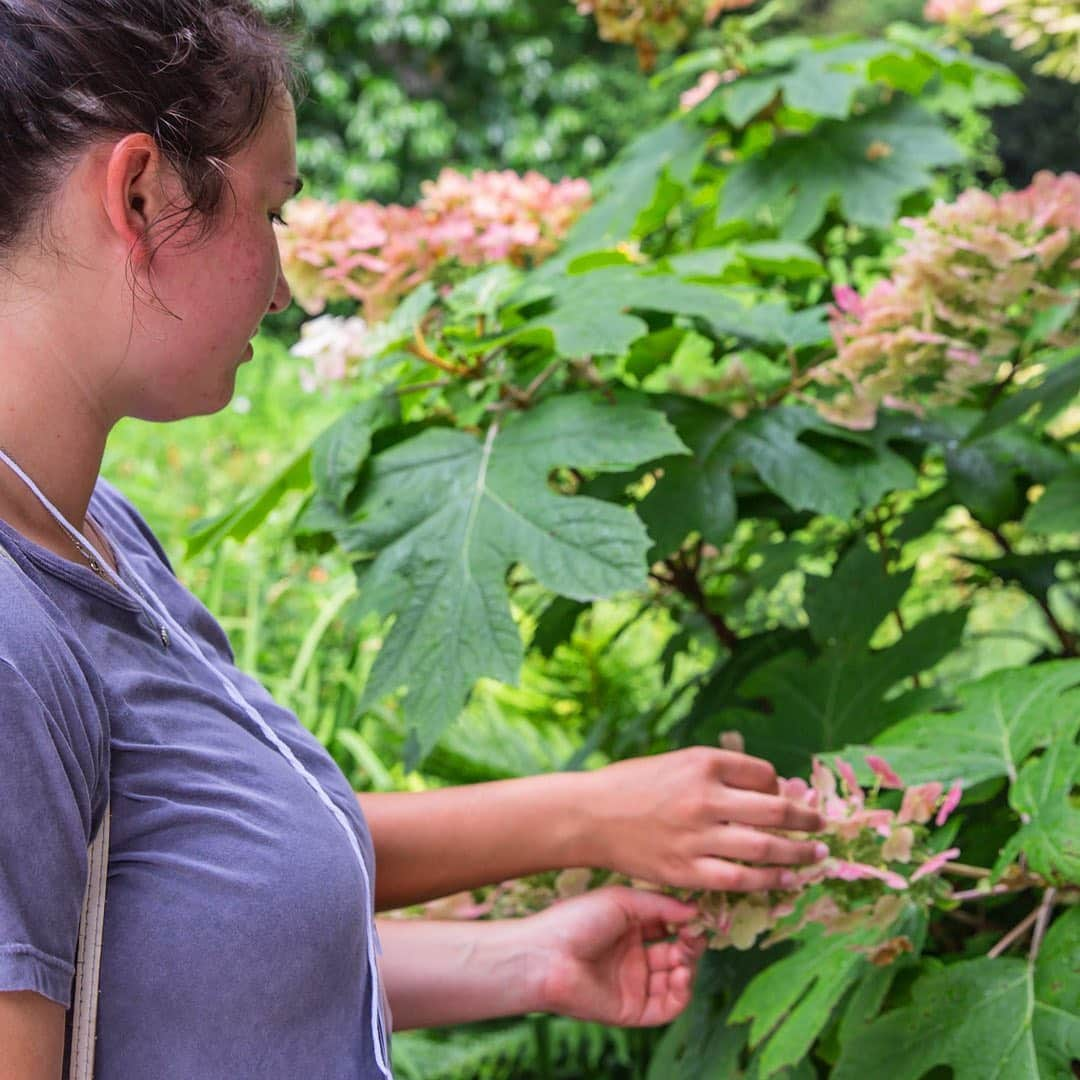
(88, 958)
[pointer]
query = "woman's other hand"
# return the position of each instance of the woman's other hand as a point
(609, 956)
(694, 819)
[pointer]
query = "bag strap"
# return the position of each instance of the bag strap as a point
(88, 958)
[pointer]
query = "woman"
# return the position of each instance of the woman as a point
(148, 148)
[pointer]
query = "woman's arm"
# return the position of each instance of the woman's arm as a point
(31, 1036)
(676, 819)
(605, 956)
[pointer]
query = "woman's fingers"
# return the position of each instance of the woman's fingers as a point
(720, 876)
(767, 811)
(751, 845)
(743, 771)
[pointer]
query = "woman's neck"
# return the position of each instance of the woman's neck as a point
(49, 430)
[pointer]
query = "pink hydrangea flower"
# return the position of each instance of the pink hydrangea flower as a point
(884, 771)
(949, 804)
(897, 847)
(962, 297)
(935, 863)
(822, 779)
(847, 774)
(376, 254)
(854, 871)
(918, 803)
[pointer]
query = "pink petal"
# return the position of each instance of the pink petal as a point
(952, 800)
(847, 773)
(848, 300)
(884, 771)
(822, 779)
(935, 863)
(918, 803)
(853, 871)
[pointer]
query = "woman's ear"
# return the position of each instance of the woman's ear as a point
(136, 191)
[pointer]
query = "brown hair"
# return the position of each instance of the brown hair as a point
(197, 75)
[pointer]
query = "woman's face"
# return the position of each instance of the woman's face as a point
(215, 292)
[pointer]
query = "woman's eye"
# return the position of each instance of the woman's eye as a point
(277, 219)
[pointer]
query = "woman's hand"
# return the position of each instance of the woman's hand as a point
(693, 818)
(604, 956)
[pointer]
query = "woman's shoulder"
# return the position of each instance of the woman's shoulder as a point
(41, 657)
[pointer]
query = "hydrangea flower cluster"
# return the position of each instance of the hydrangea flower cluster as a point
(377, 254)
(962, 296)
(1048, 26)
(653, 26)
(880, 860)
(331, 344)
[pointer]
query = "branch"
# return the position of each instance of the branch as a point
(1040, 923)
(420, 347)
(1017, 932)
(416, 388)
(963, 870)
(983, 894)
(684, 580)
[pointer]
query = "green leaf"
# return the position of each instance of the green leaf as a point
(792, 1000)
(836, 475)
(1000, 721)
(340, 451)
(1043, 797)
(484, 293)
(556, 624)
(822, 79)
(783, 258)
(444, 515)
(696, 493)
(984, 1019)
(627, 187)
(242, 520)
(589, 313)
(821, 702)
(867, 164)
(703, 262)
(703, 1043)
(814, 697)
(989, 476)
(835, 622)
(403, 320)
(1057, 390)
(1058, 510)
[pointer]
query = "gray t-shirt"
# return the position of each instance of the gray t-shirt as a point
(236, 920)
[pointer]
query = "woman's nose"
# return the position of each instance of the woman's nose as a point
(282, 294)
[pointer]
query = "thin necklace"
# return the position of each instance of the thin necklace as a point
(89, 556)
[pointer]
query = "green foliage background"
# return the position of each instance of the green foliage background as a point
(760, 528)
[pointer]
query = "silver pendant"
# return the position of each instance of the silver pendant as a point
(165, 639)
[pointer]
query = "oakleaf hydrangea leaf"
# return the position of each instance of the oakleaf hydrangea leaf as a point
(984, 1019)
(793, 999)
(1058, 510)
(837, 474)
(867, 164)
(591, 313)
(1000, 720)
(441, 518)
(1043, 796)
